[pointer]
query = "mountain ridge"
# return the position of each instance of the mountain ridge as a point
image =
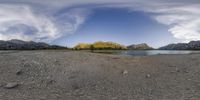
(192, 45)
(16, 44)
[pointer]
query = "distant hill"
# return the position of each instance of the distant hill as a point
(193, 45)
(26, 45)
(142, 46)
(100, 45)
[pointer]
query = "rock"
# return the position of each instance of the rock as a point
(11, 85)
(172, 66)
(115, 58)
(75, 86)
(43, 98)
(51, 81)
(114, 98)
(125, 72)
(56, 61)
(148, 76)
(1, 85)
(187, 88)
(19, 72)
(186, 71)
(177, 70)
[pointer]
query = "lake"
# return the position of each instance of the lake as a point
(147, 52)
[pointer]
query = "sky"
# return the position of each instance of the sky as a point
(69, 22)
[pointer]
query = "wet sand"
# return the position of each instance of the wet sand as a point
(79, 75)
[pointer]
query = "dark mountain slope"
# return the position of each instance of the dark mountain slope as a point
(26, 45)
(193, 45)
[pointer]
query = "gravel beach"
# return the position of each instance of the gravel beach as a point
(79, 75)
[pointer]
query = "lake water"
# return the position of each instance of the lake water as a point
(147, 52)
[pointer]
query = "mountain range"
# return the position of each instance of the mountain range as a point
(192, 45)
(26, 45)
(15, 44)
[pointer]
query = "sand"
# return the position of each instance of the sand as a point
(79, 75)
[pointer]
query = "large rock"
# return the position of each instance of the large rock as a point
(11, 85)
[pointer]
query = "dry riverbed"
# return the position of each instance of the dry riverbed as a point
(77, 75)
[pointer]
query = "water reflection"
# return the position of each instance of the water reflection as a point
(147, 52)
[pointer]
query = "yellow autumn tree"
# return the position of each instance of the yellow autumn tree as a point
(100, 45)
(82, 46)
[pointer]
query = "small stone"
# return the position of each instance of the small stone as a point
(148, 76)
(187, 88)
(51, 81)
(189, 79)
(114, 98)
(172, 66)
(11, 85)
(75, 87)
(43, 98)
(115, 58)
(56, 61)
(1, 85)
(125, 72)
(177, 70)
(19, 72)
(186, 71)
(172, 72)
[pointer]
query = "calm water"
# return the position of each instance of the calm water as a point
(147, 52)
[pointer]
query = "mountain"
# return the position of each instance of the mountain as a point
(142, 46)
(26, 45)
(192, 45)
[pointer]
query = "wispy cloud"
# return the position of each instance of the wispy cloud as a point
(23, 22)
(15, 20)
(183, 20)
(182, 17)
(69, 21)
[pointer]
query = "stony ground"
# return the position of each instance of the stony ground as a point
(76, 75)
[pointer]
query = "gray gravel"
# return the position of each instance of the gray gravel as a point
(76, 75)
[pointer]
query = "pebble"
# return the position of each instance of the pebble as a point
(172, 66)
(43, 98)
(11, 85)
(148, 76)
(177, 70)
(125, 72)
(114, 98)
(51, 81)
(115, 58)
(56, 61)
(19, 72)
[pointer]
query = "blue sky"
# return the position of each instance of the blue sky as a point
(121, 26)
(69, 22)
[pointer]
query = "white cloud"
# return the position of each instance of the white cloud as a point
(70, 20)
(25, 23)
(183, 21)
(14, 17)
